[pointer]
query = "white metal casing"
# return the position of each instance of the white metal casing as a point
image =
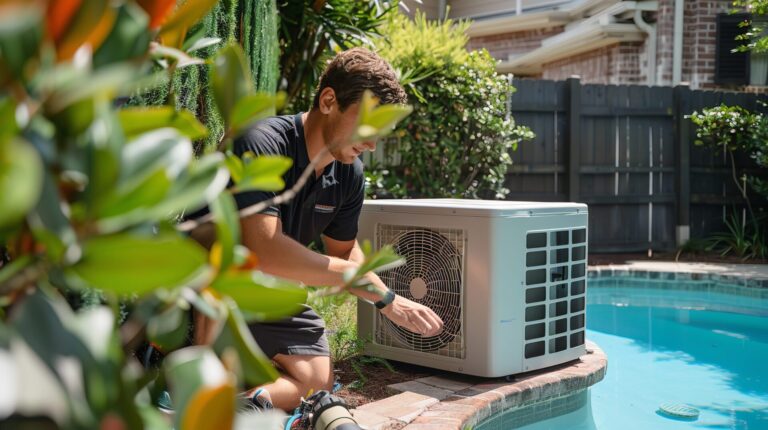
(522, 304)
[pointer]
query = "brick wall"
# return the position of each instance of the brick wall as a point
(665, 30)
(699, 40)
(501, 46)
(615, 64)
(627, 63)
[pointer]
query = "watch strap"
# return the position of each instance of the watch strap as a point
(388, 298)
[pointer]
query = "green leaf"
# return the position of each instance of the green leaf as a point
(21, 180)
(20, 36)
(254, 107)
(202, 43)
(119, 209)
(264, 173)
(128, 39)
(190, 370)
(374, 122)
(103, 161)
(127, 264)
(230, 80)
(42, 321)
(96, 327)
(200, 303)
(105, 83)
(139, 120)
(257, 367)
(179, 57)
(200, 184)
(383, 259)
(168, 329)
(187, 15)
(227, 221)
(235, 166)
(75, 118)
(49, 224)
(8, 126)
(205, 179)
(163, 149)
(262, 297)
(14, 267)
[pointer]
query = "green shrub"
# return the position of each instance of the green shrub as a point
(458, 139)
(90, 194)
(736, 129)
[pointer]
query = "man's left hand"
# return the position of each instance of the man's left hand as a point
(413, 316)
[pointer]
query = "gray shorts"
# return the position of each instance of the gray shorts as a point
(301, 334)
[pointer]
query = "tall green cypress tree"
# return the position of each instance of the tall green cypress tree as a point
(251, 23)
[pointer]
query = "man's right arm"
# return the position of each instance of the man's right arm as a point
(282, 256)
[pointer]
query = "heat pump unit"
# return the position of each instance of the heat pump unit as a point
(508, 280)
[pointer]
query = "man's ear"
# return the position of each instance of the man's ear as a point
(327, 100)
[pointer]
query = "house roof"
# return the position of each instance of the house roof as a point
(536, 14)
(589, 25)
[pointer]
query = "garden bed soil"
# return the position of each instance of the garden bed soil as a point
(379, 376)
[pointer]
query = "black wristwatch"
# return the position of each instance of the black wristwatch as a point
(389, 297)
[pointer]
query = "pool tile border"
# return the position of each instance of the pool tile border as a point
(456, 402)
(748, 276)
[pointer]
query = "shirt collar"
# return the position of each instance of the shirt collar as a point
(328, 178)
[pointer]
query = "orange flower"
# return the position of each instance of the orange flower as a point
(158, 10)
(59, 15)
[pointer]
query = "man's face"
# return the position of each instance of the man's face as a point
(339, 137)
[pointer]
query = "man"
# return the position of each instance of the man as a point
(328, 206)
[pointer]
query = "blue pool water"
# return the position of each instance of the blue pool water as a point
(683, 352)
(707, 350)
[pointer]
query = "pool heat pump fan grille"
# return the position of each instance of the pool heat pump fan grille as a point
(433, 276)
(507, 278)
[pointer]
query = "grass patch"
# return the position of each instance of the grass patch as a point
(340, 315)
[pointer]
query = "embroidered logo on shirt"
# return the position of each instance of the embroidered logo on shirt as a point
(326, 209)
(330, 179)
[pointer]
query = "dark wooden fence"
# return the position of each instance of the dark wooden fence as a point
(629, 153)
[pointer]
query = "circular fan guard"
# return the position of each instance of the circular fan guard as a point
(432, 260)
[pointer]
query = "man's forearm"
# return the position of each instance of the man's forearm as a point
(356, 255)
(287, 258)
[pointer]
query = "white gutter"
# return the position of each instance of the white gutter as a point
(570, 43)
(651, 44)
(526, 21)
(520, 20)
(677, 47)
(441, 10)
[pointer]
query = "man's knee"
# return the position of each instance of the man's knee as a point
(314, 373)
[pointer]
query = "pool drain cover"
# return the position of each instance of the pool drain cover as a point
(674, 410)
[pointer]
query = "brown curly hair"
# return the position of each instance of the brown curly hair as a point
(355, 70)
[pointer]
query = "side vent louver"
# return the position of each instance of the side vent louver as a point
(554, 291)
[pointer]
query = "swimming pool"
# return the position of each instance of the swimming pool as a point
(698, 347)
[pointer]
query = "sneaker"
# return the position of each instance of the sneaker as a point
(254, 402)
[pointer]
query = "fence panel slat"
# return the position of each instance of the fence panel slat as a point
(628, 167)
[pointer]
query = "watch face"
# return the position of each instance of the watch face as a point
(389, 297)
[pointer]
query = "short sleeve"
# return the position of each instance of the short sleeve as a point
(259, 142)
(344, 224)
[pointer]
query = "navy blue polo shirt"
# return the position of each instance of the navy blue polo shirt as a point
(329, 204)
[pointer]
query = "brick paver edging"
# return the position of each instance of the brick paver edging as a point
(458, 402)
